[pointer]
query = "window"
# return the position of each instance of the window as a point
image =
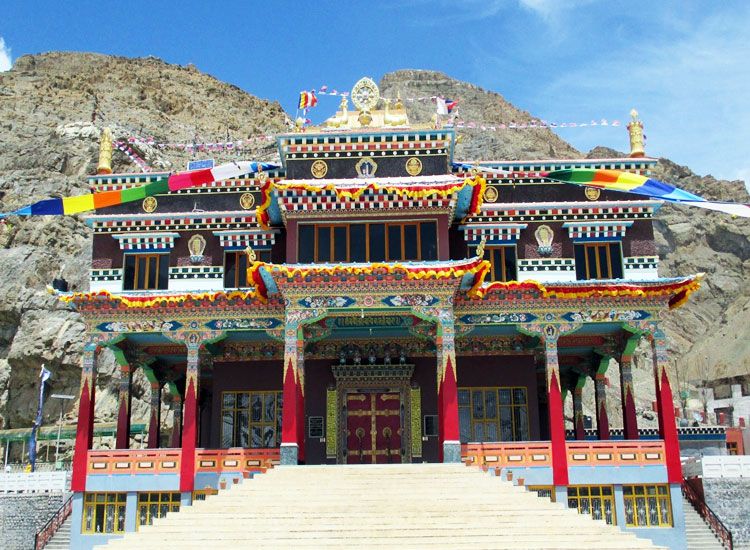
(104, 513)
(733, 449)
(146, 272)
(647, 506)
(493, 414)
(156, 505)
(367, 242)
(598, 261)
(503, 261)
(235, 267)
(203, 494)
(545, 491)
(251, 419)
(597, 500)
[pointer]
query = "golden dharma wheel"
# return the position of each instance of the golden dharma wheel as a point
(491, 194)
(414, 166)
(149, 204)
(592, 193)
(319, 169)
(247, 201)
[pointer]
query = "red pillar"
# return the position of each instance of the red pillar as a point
(122, 439)
(629, 417)
(85, 429)
(176, 438)
(665, 406)
(190, 420)
(580, 432)
(154, 423)
(555, 409)
(293, 411)
(602, 419)
(449, 436)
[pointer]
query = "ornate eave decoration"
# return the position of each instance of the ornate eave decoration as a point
(467, 192)
(372, 373)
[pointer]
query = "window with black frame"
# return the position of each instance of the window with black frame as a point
(491, 414)
(502, 260)
(235, 267)
(251, 419)
(598, 260)
(146, 272)
(368, 242)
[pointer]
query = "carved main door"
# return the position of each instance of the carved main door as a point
(373, 427)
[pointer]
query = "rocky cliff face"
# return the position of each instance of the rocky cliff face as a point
(51, 109)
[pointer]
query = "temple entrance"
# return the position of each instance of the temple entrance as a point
(373, 415)
(373, 427)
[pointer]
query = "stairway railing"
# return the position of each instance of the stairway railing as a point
(44, 535)
(708, 515)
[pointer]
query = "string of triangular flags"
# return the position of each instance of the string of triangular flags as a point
(181, 180)
(627, 182)
(132, 155)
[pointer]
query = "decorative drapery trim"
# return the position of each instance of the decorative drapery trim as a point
(147, 242)
(596, 230)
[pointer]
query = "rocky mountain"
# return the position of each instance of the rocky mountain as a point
(53, 105)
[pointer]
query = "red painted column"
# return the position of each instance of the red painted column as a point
(122, 438)
(580, 432)
(602, 419)
(176, 437)
(665, 406)
(154, 422)
(85, 429)
(448, 428)
(300, 389)
(629, 417)
(190, 419)
(555, 408)
(293, 411)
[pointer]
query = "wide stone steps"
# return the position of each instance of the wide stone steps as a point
(382, 506)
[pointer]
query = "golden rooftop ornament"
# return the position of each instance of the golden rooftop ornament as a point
(635, 129)
(105, 152)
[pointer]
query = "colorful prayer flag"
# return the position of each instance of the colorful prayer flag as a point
(307, 100)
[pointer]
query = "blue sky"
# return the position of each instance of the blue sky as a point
(684, 64)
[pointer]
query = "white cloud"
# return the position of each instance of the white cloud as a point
(5, 59)
(690, 85)
(549, 9)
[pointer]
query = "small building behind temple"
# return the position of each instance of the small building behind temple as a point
(374, 301)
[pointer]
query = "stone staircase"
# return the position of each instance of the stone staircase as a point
(389, 506)
(697, 532)
(61, 539)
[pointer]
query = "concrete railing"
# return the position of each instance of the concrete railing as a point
(713, 467)
(36, 482)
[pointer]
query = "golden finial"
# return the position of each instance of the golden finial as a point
(480, 248)
(635, 129)
(105, 152)
(399, 103)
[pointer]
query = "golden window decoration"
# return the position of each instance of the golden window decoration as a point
(413, 166)
(247, 201)
(647, 505)
(366, 167)
(146, 271)
(149, 204)
(104, 513)
(251, 419)
(319, 169)
(152, 506)
(598, 260)
(502, 261)
(544, 236)
(490, 414)
(596, 500)
(592, 193)
(491, 194)
(196, 246)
